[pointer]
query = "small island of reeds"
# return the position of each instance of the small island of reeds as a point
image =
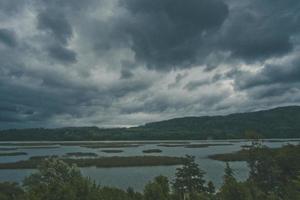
(13, 154)
(100, 162)
(152, 151)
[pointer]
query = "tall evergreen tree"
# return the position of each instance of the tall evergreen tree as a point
(231, 189)
(189, 178)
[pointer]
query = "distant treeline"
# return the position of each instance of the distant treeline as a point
(283, 122)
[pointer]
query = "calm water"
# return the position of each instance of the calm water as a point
(137, 177)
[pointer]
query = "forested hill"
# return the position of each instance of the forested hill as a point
(283, 122)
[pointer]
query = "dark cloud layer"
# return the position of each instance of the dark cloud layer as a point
(262, 29)
(285, 73)
(56, 23)
(127, 62)
(7, 37)
(169, 33)
(62, 54)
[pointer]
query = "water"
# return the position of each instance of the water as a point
(137, 177)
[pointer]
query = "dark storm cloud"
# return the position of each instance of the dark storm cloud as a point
(8, 37)
(127, 69)
(56, 23)
(261, 29)
(169, 33)
(178, 79)
(125, 74)
(174, 34)
(285, 73)
(11, 7)
(133, 58)
(62, 54)
(53, 19)
(270, 92)
(34, 107)
(193, 85)
(154, 105)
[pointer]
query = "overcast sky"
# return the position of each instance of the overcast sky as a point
(113, 63)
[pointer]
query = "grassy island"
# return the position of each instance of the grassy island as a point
(101, 162)
(195, 145)
(8, 149)
(112, 151)
(241, 155)
(110, 145)
(152, 151)
(13, 154)
(248, 153)
(82, 154)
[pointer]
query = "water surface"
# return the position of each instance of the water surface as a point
(137, 177)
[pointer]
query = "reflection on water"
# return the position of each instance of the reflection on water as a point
(137, 177)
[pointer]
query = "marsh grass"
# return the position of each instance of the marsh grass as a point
(13, 154)
(152, 151)
(100, 162)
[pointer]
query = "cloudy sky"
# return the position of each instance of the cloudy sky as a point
(113, 63)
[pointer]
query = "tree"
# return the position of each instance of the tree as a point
(159, 189)
(189, 178)
(231, 189)
(229, 174)
(108, 193)
(132, 195)
(264, 170)
(10, 191)
(56, 180)
(211, 188)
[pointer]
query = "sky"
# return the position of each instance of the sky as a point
(122, 63)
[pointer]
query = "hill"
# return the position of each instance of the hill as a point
(282, 122)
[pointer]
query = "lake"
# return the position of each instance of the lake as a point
(137, 177)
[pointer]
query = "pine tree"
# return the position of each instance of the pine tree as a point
(231, 189)
(211, 188)
(189, 178)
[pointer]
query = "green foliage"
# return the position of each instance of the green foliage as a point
(159, 189)
(228, 172)
(11, 191)
(132, 195)
(231, 189)
(211, 187)
(275, 171)
(189, 178)
(107, 193)
(56, 180)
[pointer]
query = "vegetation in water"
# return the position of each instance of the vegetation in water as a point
(204, 145)
(82, 154)
(13, 154)
(274, 175)
(110, 145)
(241, 155)
(112, 151)
(103, 162)
(248, 152)
(39, 147)
(8, 149)
(152, 151)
